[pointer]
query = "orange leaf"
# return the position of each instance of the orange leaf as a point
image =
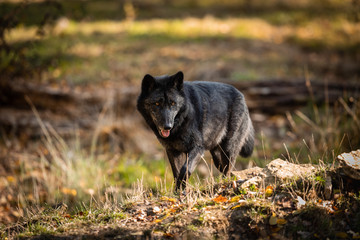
(269, 191)
(69, 191)
(173, 200)
(172, 210)
(10, 179)
(220, 199)
(164, 198)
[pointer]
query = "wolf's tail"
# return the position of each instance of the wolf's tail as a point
(248, 147)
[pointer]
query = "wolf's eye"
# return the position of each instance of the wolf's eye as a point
(157, 103)
(172, 103)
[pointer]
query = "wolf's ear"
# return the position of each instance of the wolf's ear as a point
(178, 80)
(148, 83)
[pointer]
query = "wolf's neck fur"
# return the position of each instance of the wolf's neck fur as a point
(183, 116)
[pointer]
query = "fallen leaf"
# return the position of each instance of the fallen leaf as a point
(269, 191)
(241, 203)
(273, 219)
(220, 199)
(342, 235)
(281, 221)
(174, 209)
(162, 218)
(168, 235)
(237, 206)
(10, 179)
(164, 198)
(356, 236)
(235, 199)
(173, 200)
(69, 191)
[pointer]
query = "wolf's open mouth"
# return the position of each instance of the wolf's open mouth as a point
(165, 133)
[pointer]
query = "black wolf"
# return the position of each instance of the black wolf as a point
(191, 117)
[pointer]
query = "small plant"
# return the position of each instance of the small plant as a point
(192, 228)
(253, 188)
(320, 179)
(242, 191)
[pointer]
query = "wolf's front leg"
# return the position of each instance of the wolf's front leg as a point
(177, 160)
(191, 162)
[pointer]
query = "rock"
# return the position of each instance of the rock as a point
(277, 170)
(280, 170)
(247, 173)
(350, 164)
(300, 202)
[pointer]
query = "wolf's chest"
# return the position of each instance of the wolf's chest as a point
(183, 142)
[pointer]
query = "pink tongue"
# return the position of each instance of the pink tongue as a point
(165, 133)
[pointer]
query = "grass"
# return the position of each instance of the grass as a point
(57, 220)
(325, 130)
(200, 207)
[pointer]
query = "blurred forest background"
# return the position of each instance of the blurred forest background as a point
(70, 74)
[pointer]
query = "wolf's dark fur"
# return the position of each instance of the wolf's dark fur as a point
(191, 117)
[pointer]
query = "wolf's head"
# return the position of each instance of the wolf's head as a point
(160, 101)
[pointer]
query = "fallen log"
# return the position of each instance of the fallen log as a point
(280, 95)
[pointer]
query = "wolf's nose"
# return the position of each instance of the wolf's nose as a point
(168, 126)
